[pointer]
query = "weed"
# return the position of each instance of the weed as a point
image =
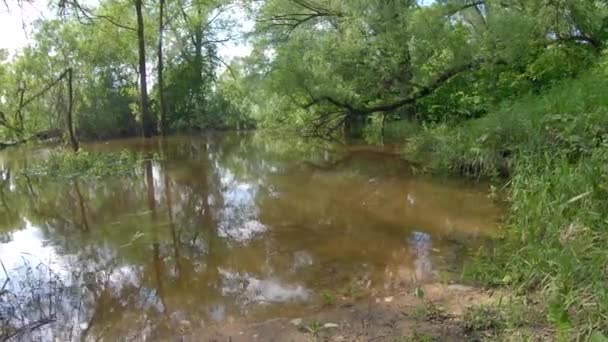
(314, 328)
(554, 151)
(428, 312)
(356, 291)
(328, 298)
(484, 318)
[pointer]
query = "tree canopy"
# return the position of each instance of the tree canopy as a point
(323, 67)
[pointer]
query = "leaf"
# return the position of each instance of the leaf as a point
(419, 292)
(598, 337)
(578, 197)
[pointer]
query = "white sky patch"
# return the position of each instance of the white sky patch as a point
(16, 25)
(29, 246)
(238, 46)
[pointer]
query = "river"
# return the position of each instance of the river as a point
(222, 228)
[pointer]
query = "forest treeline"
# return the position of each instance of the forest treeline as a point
(321, 67)
(503, 89)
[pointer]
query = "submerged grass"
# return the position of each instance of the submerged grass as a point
(65, 164)
(553, 150)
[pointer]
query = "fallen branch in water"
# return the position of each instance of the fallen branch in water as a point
(41, 136)
(27, 328)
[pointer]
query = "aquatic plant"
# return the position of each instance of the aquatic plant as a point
(83, 164)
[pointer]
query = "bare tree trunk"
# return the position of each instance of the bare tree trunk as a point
(382, 129)
(146, 117)
(161, 99)
(20, 109)
(70, 123)
(353, 126)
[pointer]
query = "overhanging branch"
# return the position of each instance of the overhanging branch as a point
(438, 81)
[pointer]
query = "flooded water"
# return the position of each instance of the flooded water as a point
(221, 228)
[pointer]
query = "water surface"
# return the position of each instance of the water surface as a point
(221, 228)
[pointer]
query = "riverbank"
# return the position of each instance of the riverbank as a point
(549, 155)
(444, 313)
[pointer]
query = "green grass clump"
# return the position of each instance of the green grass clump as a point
(553, 150)
(571, 117)
(67, 164)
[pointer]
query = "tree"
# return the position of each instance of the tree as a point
(144, 105)
(339, 63)
(161, 100)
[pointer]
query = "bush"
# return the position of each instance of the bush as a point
(554, 148)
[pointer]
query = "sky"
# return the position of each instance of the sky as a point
(16, 24)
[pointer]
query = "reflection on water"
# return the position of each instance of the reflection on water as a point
(224, 227)
(421, 252)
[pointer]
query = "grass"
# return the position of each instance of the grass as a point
(328, 298)
(552, 151)
(428, 311)
(65, 164)
(484, 318)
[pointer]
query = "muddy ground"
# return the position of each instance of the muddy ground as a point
(433, 314)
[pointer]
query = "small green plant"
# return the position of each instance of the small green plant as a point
(356, 291)
(429, 312)
(328, 298)
(419, 292)
(314, 328)
(484, 318)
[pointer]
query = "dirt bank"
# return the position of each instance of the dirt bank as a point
(438, 315)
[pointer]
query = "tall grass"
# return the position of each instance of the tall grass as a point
(553, 149)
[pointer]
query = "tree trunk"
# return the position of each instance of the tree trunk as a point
(146, 118)
(20, 110)
(198, 45)
(70, 122)
(406, 88)
(353, 126)
(161, 100)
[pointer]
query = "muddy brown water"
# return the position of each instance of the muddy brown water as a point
(221, 228)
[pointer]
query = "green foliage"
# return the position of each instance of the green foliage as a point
(393, 131)
(362, 54)
(328, 298)
(499, 90)
(428, 311)
(65, 164)
(103, 53)
(483, 318)
(555, 148)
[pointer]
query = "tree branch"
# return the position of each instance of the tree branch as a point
(291, 21)
(43, 90)
(436, 83)
(587, 39)
(89, 15)
(458, 9)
